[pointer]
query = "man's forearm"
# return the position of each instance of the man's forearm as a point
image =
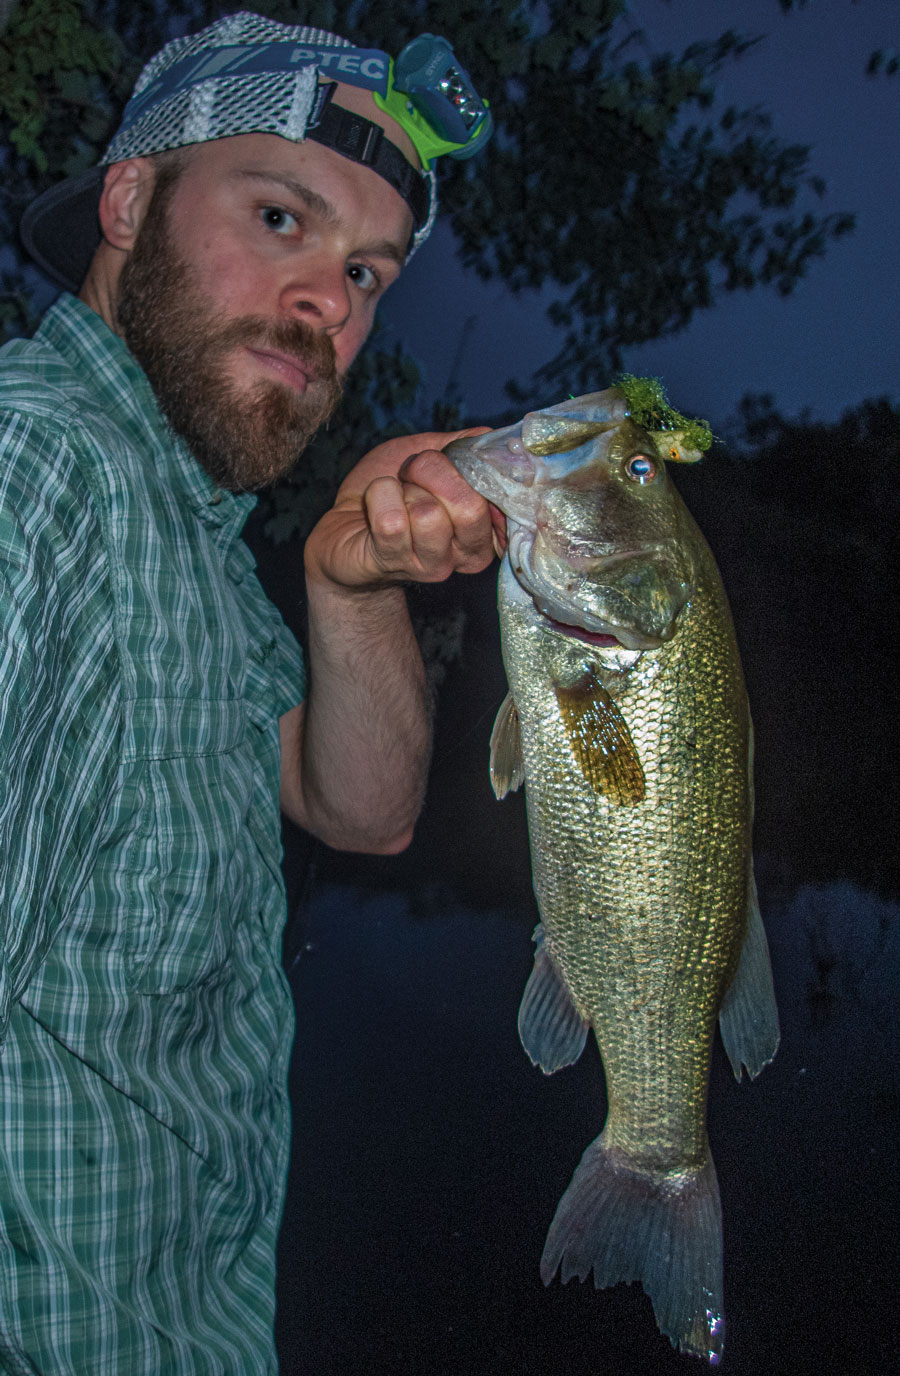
(366, 726)
(355, 754)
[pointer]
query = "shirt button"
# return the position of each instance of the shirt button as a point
(215, 499)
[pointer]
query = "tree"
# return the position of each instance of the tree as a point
(610, 177)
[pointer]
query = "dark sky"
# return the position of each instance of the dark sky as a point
(834, 342)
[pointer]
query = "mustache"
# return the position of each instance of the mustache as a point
(313, 350)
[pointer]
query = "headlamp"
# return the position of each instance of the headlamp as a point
(452, 118)
(427, 91)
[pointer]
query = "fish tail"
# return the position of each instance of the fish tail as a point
(664, 1232)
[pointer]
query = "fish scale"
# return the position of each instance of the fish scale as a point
(635, 912)
(629, 724)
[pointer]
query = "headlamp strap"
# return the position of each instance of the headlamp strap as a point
(362, 141)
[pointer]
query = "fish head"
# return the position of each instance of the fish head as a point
(597, 532)
(509, 466)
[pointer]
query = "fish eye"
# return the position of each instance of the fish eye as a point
(641, 469)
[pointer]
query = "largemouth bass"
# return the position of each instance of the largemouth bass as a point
(627, 719)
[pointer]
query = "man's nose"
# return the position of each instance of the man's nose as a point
(321, 297)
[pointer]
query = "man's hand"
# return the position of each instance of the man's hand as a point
(404, 514)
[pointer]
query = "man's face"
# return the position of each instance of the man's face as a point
(249, 291)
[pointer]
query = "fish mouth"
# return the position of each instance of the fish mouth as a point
(600, 633)
(600, 638)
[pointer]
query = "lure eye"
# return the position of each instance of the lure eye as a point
(640, 469)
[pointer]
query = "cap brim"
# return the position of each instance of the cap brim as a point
(61, 229)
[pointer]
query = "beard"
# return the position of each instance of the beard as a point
(245, 438)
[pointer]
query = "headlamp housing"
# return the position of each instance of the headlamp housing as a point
(443, 112)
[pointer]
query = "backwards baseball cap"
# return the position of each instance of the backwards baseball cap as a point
(245, 74)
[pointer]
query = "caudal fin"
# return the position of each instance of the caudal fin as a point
(667, 1234)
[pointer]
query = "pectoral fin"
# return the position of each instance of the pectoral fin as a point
(601, 741)
(551, 1029)
(748, 1019)
(507, 766)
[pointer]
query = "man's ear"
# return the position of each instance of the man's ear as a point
(127, 191)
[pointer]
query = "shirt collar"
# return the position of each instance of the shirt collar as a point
(107, 366)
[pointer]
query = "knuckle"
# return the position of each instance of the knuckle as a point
(427, 515)
(390, 526)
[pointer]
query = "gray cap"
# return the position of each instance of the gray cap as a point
(244, 74)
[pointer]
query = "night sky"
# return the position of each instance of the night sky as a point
(830, 345)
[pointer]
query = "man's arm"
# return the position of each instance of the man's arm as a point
(355, 754)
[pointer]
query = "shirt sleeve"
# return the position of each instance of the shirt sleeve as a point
(59, 712)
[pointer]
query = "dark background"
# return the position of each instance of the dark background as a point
(834, 342)
(429, 1155)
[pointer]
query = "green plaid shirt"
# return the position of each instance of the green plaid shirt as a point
(145, 1019)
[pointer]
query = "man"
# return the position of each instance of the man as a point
(152, 704)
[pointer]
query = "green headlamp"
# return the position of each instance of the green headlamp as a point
(431, 95)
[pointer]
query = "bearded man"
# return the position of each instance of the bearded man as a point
(223, 267)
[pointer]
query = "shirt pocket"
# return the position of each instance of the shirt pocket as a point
(190, 772)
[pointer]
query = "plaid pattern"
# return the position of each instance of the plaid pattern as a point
(145, 1019)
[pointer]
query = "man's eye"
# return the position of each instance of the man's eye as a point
(278, 220)
(365, 278)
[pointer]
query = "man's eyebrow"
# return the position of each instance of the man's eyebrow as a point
(385, 248)
(311, 199)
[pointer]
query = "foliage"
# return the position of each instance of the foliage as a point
(47, 56)
(612, 180)
(886, 60)
(59, 96)
(845, 470)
